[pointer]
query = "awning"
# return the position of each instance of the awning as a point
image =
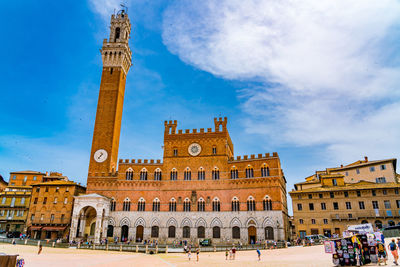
(36, 228)
(54, 228)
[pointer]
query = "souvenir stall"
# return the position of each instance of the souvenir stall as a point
(353, 250)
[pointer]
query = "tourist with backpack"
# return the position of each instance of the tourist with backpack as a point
(393, 248)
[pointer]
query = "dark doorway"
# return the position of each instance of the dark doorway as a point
(154, 231)
(139, 233)
(124, 233)
(110, 231)
(171, 232)
(201, 232)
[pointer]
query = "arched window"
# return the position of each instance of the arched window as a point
(201, 174)
(378, 224)
(171, 231)
(215, 174)
(251, 204)
(129, 174)
(201, 205)
(156, 204)
(235, 232)
(214, 150)
(364, 221)
(249, 172)
(234, 173)
(216, 204)
(201, 232)
(141, 204)
(143, 174)
(157, 174)
(186, 205)
(391, 223)
(235, 204)
(264, 171)
(113, 203)
(267, 203)
(187, 175)
(174, 174)
(117, 33)
(186, 232)
(154, 231)
(126, 205)
(172, 204)
(216, 232)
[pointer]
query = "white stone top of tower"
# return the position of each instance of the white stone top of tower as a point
(116, 51)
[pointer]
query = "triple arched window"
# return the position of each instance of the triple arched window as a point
(264, 171)
(156, 204)
(251, 204)
(234, 173)
(129, 174)
(172, 204)
(201, 205)
(157, 174)
(267, 203)
(201, 174)
(143, 174)
(249, 172)
(187, 174)
(126, 206)
(235, 204)
(216, 204)
(186, 204)
(141, 204)
(174, 174)
(215, 174)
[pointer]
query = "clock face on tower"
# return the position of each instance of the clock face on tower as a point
(194, 149)
(100, 155)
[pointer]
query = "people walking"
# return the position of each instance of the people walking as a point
(40, 249)
(393, 248)
(233, 253)
(381, 251)
(189, 254)
(226, 254)
(259, 254)
(197, 253)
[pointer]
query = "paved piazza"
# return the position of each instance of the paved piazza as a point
(296, 256)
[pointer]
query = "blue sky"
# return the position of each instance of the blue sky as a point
(318, 82)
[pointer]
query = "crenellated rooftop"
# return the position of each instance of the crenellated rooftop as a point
(171, 128)
(140, 161)
(253, 156)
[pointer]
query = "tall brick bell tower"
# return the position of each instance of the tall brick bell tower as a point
(117, 58)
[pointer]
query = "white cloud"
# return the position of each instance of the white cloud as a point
(328, 72)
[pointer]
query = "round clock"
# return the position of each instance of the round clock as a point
(100, 155)
(194, 149)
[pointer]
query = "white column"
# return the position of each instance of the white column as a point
(82, 226)
(73, 228)
(97, 230)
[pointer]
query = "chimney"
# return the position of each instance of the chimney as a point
(366, 159)
(341, 165)
(47, 173)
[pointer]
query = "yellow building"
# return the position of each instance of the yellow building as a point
(14, 207)
(362, 192)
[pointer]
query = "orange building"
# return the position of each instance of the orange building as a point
(50, 208)
(3, 184)
(199, 190)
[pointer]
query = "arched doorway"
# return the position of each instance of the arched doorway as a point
(378, 224)
(201, 232)
(216, 232)
(364, 221)
(139, 233)
(252, 234)
(391, 223)
(110, 230)
(269, 233)
(124, 233)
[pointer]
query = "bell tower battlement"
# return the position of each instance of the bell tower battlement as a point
(116, 51)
